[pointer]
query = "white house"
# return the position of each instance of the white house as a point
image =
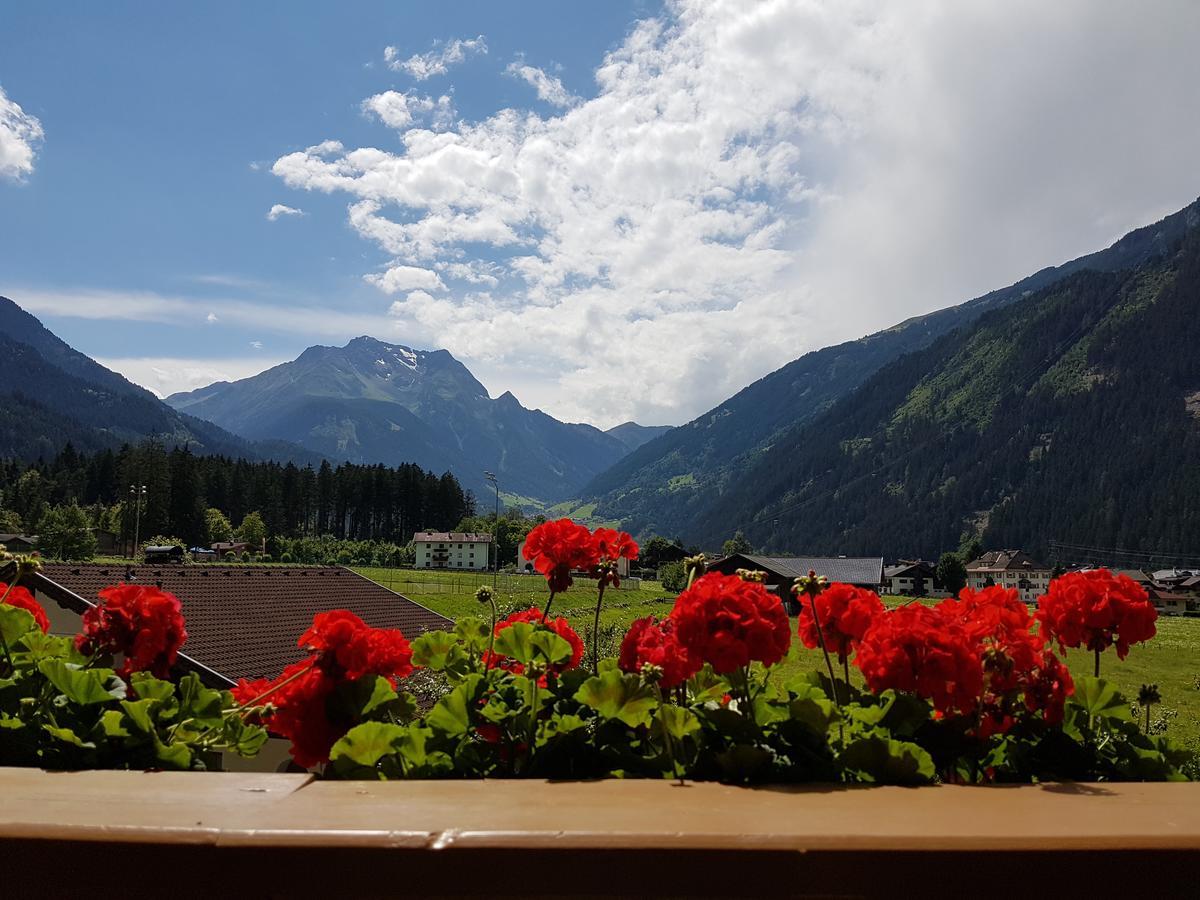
(452, 550)
(1010, 569)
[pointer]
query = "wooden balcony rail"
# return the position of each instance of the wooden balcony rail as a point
(127, 834)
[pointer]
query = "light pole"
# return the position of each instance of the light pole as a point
(495, 528)
(138, 494)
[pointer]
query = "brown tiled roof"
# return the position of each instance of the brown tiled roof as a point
(243, 621)
(1004, 561)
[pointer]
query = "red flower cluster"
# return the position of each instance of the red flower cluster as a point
(558, 548)
(1095, 610)
(729, 623)
(559, 626)
(1014, 658)
(22, 599)
(918, 649)
(561, 547)
(344, 649)
(655, 643)
(142, 623)
(845, 612)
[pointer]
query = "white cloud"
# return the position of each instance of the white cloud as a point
(20, 136)
(549, 88)
(402, 111)
(211, 319)
(752, 181)
(146, 306)
(437, 61)
(406, 278)
(168, 375)
(280, 210)
(257, 345)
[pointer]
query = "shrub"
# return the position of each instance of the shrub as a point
(286, 557)
(672, 576)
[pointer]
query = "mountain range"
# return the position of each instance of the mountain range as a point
(53, 394)
(761, 460)
(372, 402)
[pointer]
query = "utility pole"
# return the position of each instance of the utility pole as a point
(495, 528)
(138, 494)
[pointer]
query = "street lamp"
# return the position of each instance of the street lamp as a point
(138, 494)
(495, 527)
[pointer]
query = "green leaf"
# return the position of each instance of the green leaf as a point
(15, 623)
(140, 713)
(83, 686)
(172, 756)
(415, 755)
(617, 696)
(473, 633)
(452, 714)
(39, 645)
(885, 761)
(553, 648)
(204, 705)
(112, 724)
(67, 736)
(1099, 699)
(526, 643)
(440, 651)
(244, 739)
(366, 744)
(676, 721)
(147, 687)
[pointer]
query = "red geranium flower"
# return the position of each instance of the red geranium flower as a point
(344, 649)
(655, 643)
(917, 649)
(22, 599)
(612, 545)
(559, 626)
(141, 622)
(728, 623)
(1095, 610)
(845, 612)
(558, 548)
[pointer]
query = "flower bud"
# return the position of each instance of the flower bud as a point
(483, 594)
(756, 575)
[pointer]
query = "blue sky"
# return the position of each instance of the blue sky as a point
(616, 210)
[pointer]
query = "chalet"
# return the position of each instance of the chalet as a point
(237, 548)
(108, 543)
(452, 550)
(1171, 603)
(782, 571)
(1010, 569)
(19, 543)
(912, 578)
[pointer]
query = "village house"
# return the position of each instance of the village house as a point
(912, 578)
(19, 543)
(782, 571)
(452, 550)
(1010, 569)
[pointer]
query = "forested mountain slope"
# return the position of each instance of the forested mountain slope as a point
(1072, 414)
(665, 484)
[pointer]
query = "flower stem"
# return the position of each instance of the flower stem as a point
(549, 603)
(492, 634)
(1097, 652)
(846, 673)
(596, 630)
(668, 743)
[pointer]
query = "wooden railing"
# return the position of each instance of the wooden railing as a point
(99, 834)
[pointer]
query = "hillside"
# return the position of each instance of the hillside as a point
(633, 435)
(1072, 414)
(665, 484)
(375, 402)
(53, 394)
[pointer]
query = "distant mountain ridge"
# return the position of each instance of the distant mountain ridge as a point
(666, 484)
(375, 402)
(1069, 415)
(53, 394)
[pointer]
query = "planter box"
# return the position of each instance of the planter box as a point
(131, 834)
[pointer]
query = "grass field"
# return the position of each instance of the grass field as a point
(1171, 660)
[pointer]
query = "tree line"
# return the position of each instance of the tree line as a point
(193, 497)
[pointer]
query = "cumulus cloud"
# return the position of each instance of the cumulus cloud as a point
(549, 87)
(402, 111)
(20, 136)
(438, 60)
(211, 319)
(753, 181)
(278, 210)
(256, 345)
(406, 278)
